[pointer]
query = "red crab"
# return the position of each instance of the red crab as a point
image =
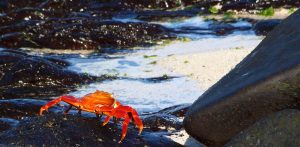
(100, 102)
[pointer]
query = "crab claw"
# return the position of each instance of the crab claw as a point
(65, 98)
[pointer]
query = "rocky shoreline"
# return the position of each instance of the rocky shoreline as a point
(265, 82)
(55, 128)
(92, 25)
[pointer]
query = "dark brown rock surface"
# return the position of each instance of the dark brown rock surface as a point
(76, 24)
(266, 81)
(278, 129)
(24, 76)
(21, 125)
(70, 130)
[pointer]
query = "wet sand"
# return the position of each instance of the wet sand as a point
(206, 67)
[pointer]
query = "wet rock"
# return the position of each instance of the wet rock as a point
(61, 6)
(166, 119)
(201, 3)
(239, 5)
(152, 4)
(3, 4)
(265, 26)
(32, 76)
(22, 108)
(177, 110)
(278, 129)
(59, 130)
(7, 123)
(163, 78)
(266, 81)
(111, 5)
(73, 25)
(58, 61)
(107, 9)
(159, 122)
(79, 34)
(225, 28)
(219, 28)
(160, 15)
(13, 111)
(4, 126)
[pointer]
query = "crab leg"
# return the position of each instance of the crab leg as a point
(106, 120)
(132, 114)
(125, 112)
(68, 109)
(66, 98)
(137, 120)
(124, 127)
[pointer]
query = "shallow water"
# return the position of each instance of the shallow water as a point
(136, 66)
(135, 91)
(198, 22)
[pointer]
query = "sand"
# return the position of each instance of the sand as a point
(185, 139)
(206, 68)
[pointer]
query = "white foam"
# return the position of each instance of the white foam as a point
(242, 24)
(147, 97)
(191, 22)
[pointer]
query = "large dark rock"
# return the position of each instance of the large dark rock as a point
(70, 130)
(278, 129)
(266, 81)
(23, 75)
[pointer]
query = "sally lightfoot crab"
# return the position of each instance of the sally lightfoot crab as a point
(100, 102)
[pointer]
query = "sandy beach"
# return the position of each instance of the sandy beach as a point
(205, 67)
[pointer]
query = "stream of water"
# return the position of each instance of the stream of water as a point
(148, 96)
